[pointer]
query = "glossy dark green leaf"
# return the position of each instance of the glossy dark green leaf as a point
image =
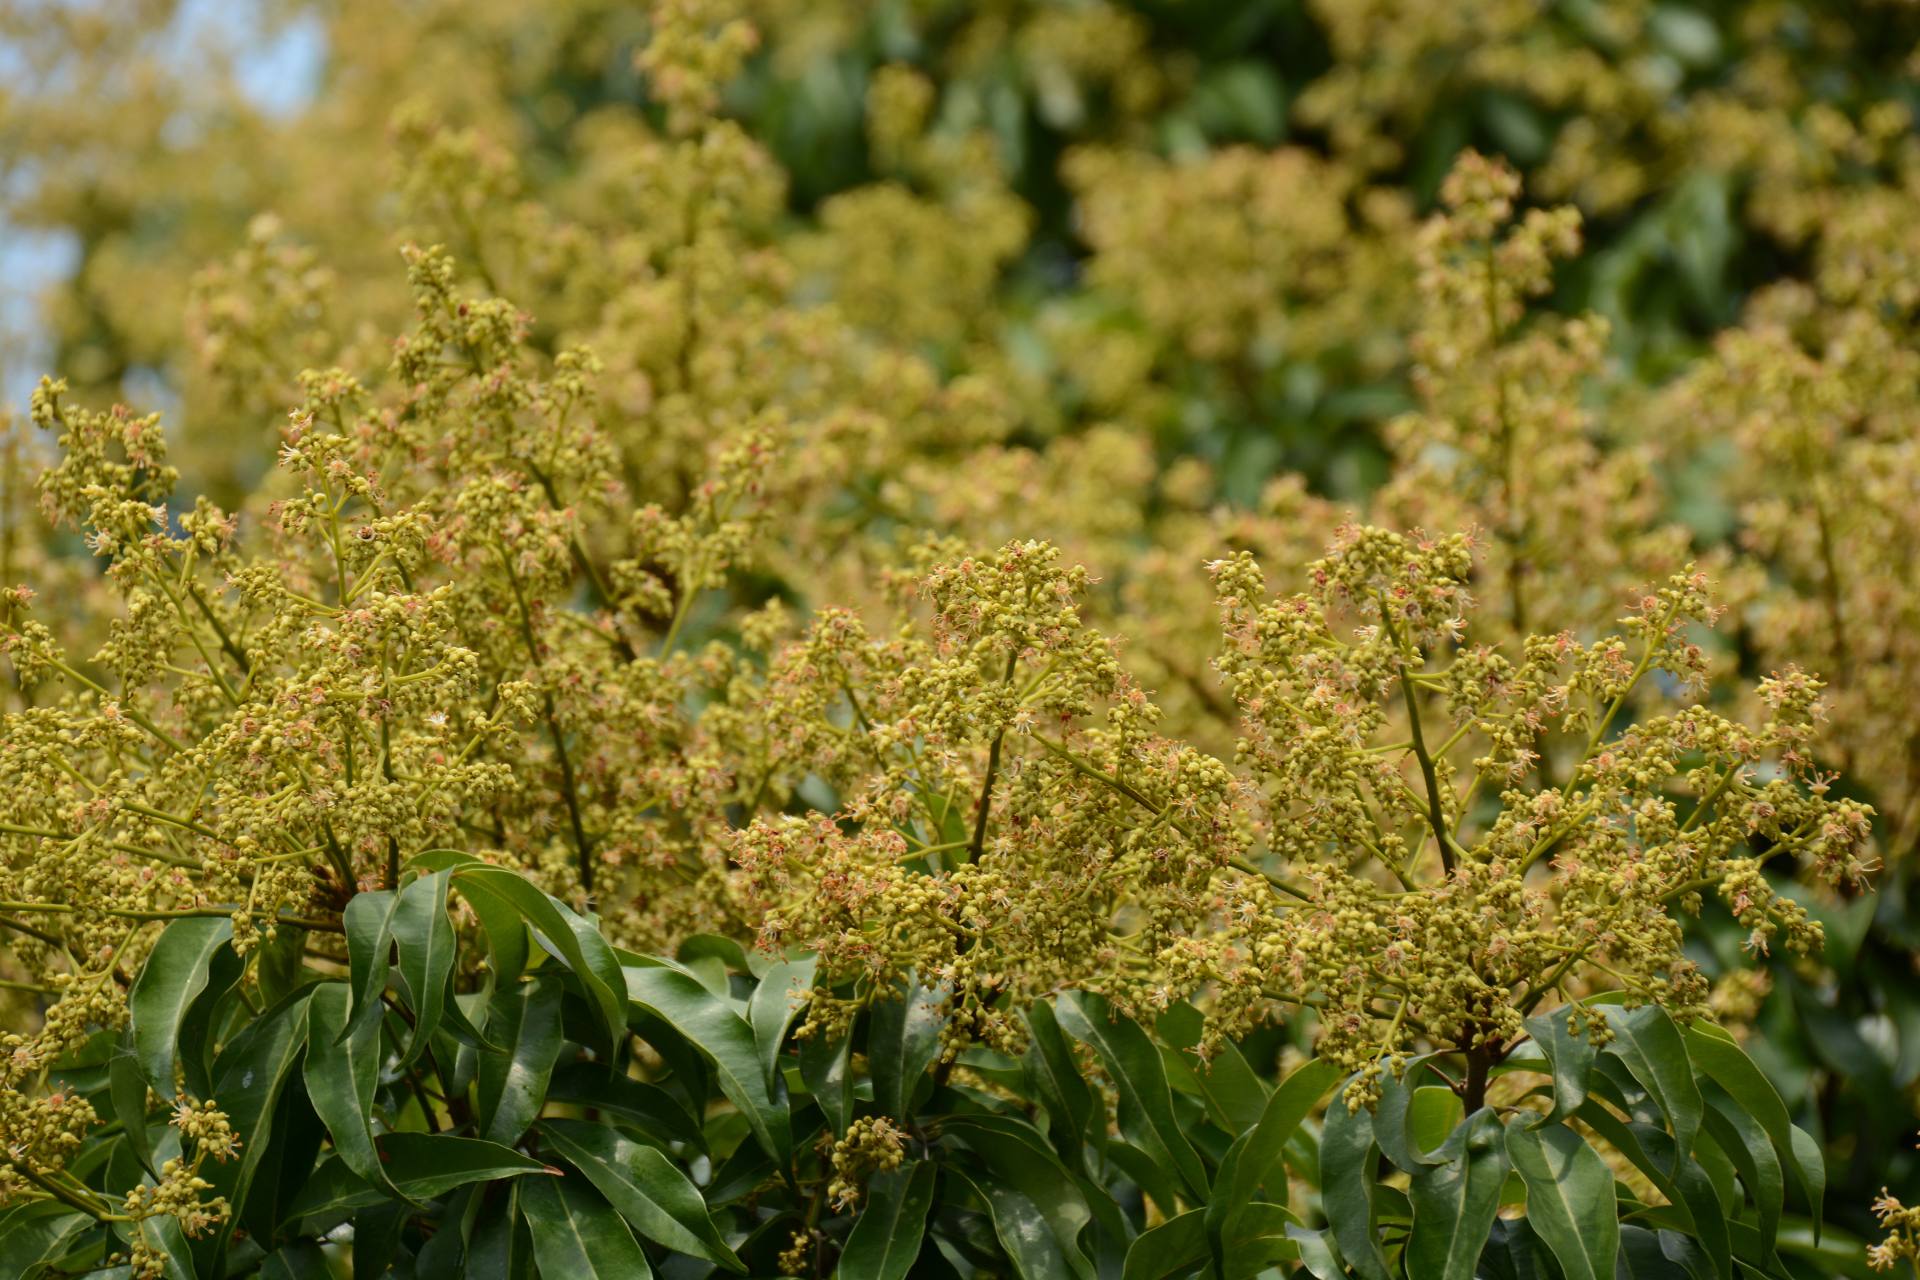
(1570, 1201)
(1660, 1255)
(278, 960)
(568, 936)
(342, 1079)
(1016, 1157)
(887, 1236)
(174, 975)
(301, 1260)
(1390, 1119)
(1133, 1065)
(1569, 1053)
(646, 1107)
(37, 1233)
(783, 992)
(826, 1067)
(1747, 1145)
(523, 1019)
(577, 1235)
(421, 1166)
(1346, 1188)
(1651, 1150)
(127, 1089)
(423, 936)
(1455, 1200)
(368, 921)
(1021, 1227)
(1249, 1163)
(1173, 1248)
(647, 1188)
(1317, 1253)
(1651, 1047)
(903, 1039)
(724, 1039)
(502, 1247)
(249, 1077)
(1056, 1082)
(1812, 1164)
(1716, 1055)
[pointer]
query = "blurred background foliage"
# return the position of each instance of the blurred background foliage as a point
(1167, 246)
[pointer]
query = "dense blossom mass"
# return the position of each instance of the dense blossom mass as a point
(1114, 552)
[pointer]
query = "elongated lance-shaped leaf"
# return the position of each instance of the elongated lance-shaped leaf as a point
(248, 1078)
(1716, 1055)
(577, 1235)
(1017, 1158)
(1652, 1048)
(724, 1039)
(1055, 1079)
(1249, 1162)
(827, 1068)
(523, 1018)
(368, 921)
(1569, 1055)
(174, 975)
(1745, 1142)
(342, 1079)
(647, 1188)
(1650, 1149)
(1570, 1200)
(903, 1042)
(888, 1234)
(38, 1232)
(1390, 1118)
(571, 938)
(423, 935)
(1346, 1187)
(423, 1166)
(1021, 1227)
(783, 992)
(1455, 1200)
(1133, 1064)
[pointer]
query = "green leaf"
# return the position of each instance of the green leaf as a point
(1813, 1170)
(724, 1039)
(1569, 1054)
(1249, 1162)
(1316, 1254)
(825, 1066)
(524, 1018)
(1054, 1078)
(423, 934)
(368, 920)
(577, 1235)
(886, 1236)
(301, 1260)
(342, 1079)
(574, 940)
(277, 963)
(1653, 1050)
(248, 1079)
(1651, 1150)
(1746, 1143)
(1661, 1255)
(1390, 1119)
(1346, 1187)
(422, 1166)
(1570, 1200)
(1172, 1248)
(1455, 1200)
(174, 974)
(1019, 1160)
(1133, 1064)
(646, 1107)
(903, 1039)
(1021, 1227)
(645, 1186)
(36, 1233)
(783, 992)
(1716, 1055)
(127, 1089)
